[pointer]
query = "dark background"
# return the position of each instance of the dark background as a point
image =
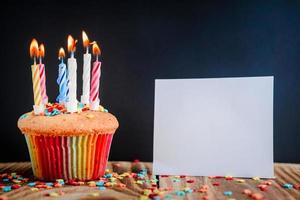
(145, 40)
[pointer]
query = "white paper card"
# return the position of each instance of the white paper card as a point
(214, 126)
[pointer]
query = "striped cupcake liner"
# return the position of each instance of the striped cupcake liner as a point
(69, 157)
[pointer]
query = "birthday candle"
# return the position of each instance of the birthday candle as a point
(42, 75)
(38, 107)
(96, 73)
(62, 78)
(72, 76)
(86, 70)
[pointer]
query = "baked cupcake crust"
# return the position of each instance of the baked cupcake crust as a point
(75, 124)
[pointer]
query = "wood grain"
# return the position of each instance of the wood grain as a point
(285, 173)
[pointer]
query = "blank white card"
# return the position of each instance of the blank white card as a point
(214, 126)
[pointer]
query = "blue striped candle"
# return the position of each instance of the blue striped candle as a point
(62, 78)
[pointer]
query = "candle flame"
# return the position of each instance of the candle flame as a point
(34, 48)
(71, 44)
(42, 50)
(96, 49)
(85, 39)
(61, 53)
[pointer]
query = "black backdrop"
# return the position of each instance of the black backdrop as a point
(144, 40)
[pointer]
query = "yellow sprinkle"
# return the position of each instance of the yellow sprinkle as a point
(90, 116)
(16, 181)
(101, 108)
(156, 191)
(144, 197)
(95, 194)
(81, 182)
(53, 194)
(92, 183)
(256, 178)
(139, 182)
(112, 179)
(240, 180)
(34, 189)
(147, 192)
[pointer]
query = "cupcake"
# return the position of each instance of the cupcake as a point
(68, 146)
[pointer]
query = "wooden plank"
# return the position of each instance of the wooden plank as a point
(285, 173)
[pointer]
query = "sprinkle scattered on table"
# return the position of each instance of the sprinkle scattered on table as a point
(228, 193)
(288, 186)
(184, 185)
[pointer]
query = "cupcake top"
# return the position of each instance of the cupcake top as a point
(75, 124)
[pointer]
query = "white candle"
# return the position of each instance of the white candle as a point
(72, 77)
(85, 97)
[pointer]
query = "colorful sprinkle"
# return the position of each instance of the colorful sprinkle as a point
(180, 193)
(257, 196)
(31, 184)
(216, 184)
(287, 186)
(6, 188)
(227, 193)
(247, 192)
(23, 116)
(34, 189)
(256, 178)
(99, 183)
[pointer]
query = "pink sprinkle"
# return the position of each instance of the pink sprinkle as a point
(216, 184)
(247, 192)
(257, 196)
(263, 187)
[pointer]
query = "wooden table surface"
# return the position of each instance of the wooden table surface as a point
(172, 185)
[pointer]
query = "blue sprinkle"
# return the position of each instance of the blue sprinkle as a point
(107, 175)
(180, 193)
(49, 184)
(156, 198)
(60, 181)
(80, 105)
(102, 188)
(99, 183)
(6, 189)
(141, 176)
(176, 180)
(23, 116)
(227, 193)
(168, 196)
(31, 184)
(288, 186)
(5, 180)
(188, 190)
